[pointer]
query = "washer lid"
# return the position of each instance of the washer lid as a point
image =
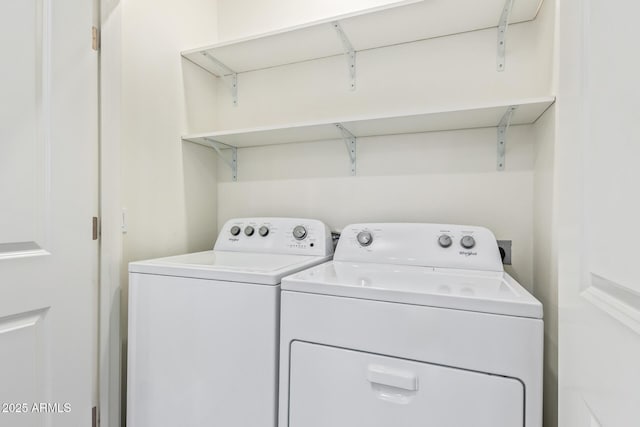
(247, 267)
(481, 291)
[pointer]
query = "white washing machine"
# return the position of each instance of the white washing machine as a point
(410, 325)
(203, 327)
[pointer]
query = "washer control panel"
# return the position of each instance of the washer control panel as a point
(276, 235)
(432, 245)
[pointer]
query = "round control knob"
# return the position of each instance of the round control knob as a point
(263, 231)
(468, 242)
(299, 232)
(364, 238)
(445, 241)
(235, 230)
(248, 230)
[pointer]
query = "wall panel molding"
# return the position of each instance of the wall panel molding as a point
(24, 338)
(26, 179)
(618, 301)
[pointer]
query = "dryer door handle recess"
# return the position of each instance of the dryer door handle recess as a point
(382, 375)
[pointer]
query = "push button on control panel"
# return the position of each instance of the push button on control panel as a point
(248, 230)
(235, 230)
(468, 242)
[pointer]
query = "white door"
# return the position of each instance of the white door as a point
(598, 173)
(48, 195)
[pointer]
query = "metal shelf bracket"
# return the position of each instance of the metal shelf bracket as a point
(233, 162)
(349, 52)
(229, 76)
(503, 126)
(350, 141)
(502, 34)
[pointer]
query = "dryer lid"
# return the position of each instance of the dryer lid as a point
(470, 290)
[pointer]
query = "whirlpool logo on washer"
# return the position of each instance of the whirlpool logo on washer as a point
(468, 253)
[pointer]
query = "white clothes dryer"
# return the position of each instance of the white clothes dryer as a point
(410, 325)
(203, 327)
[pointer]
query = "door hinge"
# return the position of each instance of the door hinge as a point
(96, 228)
(95, 38)
(94, 417)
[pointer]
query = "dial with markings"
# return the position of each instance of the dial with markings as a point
(364, 238)
(468, 242)
(299, 232)
(445, 241)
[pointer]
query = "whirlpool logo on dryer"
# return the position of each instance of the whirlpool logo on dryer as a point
(468, 253)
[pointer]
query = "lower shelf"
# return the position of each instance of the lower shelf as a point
(501, 115)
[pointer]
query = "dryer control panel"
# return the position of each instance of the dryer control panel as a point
(429, 245)
(297, 236)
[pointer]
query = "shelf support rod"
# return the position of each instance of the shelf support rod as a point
(349, 52)
(233, 163)
(503, 126)
(350, 141)
(229, 76)
(502, 34)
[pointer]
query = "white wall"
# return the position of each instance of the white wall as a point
(436, 177)
(446, 177)
(168, 188)
(240, 18)
(545, 274)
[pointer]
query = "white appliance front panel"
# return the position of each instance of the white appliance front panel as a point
(247, 267)
(482, 291)
(201, 352)
(334, 387)
(500, 345)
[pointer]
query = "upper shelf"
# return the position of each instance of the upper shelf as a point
(527, 111)
(401, 22)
